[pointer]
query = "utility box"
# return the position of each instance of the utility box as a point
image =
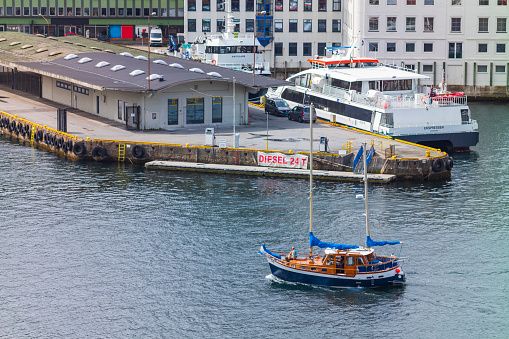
(209, 137)
(324, 144)
(62, 120)
(237, 139)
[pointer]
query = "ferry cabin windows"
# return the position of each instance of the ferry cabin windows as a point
(428, 24)
(482, 48)
(387, 120)
(390, 85)
(194, 111)
(455, 50)
(229, 49)
(173, 113)
(217, 109)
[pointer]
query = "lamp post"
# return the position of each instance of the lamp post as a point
(234, 139)
(254, 42)
(150, 14)
(47, 34)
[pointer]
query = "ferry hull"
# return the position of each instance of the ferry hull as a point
(292, 275)
(449, 140)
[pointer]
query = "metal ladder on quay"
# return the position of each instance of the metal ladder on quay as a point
(121, 152)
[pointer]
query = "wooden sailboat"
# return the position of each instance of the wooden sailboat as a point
(340, 265)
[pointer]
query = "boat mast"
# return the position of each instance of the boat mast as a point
(311, 110)
(365, 163)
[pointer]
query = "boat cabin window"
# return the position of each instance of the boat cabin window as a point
(329, 260)
(350, 261)
(229, 49)
(387, 120)
(354, 86)
(397, 85)
(360, 261)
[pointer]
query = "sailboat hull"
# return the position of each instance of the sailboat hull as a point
(379, 279)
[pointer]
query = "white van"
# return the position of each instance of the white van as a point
(156, 37)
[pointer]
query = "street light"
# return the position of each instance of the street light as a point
(47, 34)
(254, 42)
(153, 13)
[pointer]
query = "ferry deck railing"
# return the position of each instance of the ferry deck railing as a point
(404, 101)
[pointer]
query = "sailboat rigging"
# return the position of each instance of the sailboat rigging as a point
(341, 265)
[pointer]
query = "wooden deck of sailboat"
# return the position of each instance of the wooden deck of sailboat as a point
(267, 171)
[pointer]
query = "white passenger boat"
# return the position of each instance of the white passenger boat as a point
(231, 49)
(384, 99)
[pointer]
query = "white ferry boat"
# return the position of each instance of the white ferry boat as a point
(231, 49)
(384, 99)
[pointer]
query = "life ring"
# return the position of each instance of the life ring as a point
(79, 149)
(423, 100)
(449, 163)
(138, 151)
(99, 152)
(438, 165)
(213, 61)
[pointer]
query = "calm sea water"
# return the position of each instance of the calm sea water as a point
(101, 251)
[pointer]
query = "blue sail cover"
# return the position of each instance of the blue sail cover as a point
(269, 252)
(371, 243)
(314, 241)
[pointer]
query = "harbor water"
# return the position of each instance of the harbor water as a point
(108, 251)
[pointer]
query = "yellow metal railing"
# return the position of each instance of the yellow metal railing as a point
(347, 147)
(380, 143)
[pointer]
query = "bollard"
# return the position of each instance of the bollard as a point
(428, 153)
(290, 151)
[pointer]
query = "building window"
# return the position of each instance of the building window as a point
(194, 111)
(502, 2)
(373, 24)
(191, 25)
(483, 25)
(391, 47)
(373, 2)
(410, 24)
(292, 25)
(484, 2)
(321, 48)
(217, 109)
(293, 5)
(322, 5)
(250, 25)
(455, 50)
(44, 11)
(322, 26)
(104, 11)
(138, 11)
(235, 5)
(391, 24)
(220, 5)
(279, 5)
(428, 24)
(428, 47)
(500, 68)
(336, 25)
(392, 2)
(205, 5)
(164, 12)
(205, 25)
(292, 48)
(308, 25)
(2, 10)
(373, 46)
(278, 49)
(410, 47)
(52, 11)
(482, 48)
(455, 24)
(112, 11)
(278, 25)
(410, 2)
(249, 5)
(78, 11)
(26, 11)
(173, 111)
(308, 6)
(220, 25)
(501, 25)
(482, 68)
(500, 48)
(429, 2)
(456, 2)
(191, 5)
(427, 68)
(61, 11)
(336, 5)
(306, 49)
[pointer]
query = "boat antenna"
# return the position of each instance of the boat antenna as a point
(311, 110)
(365, 163)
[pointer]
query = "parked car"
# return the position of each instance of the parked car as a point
(301, 114)
(276, 107)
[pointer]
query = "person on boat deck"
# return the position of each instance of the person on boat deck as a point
(432, 93)
(292, 254)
